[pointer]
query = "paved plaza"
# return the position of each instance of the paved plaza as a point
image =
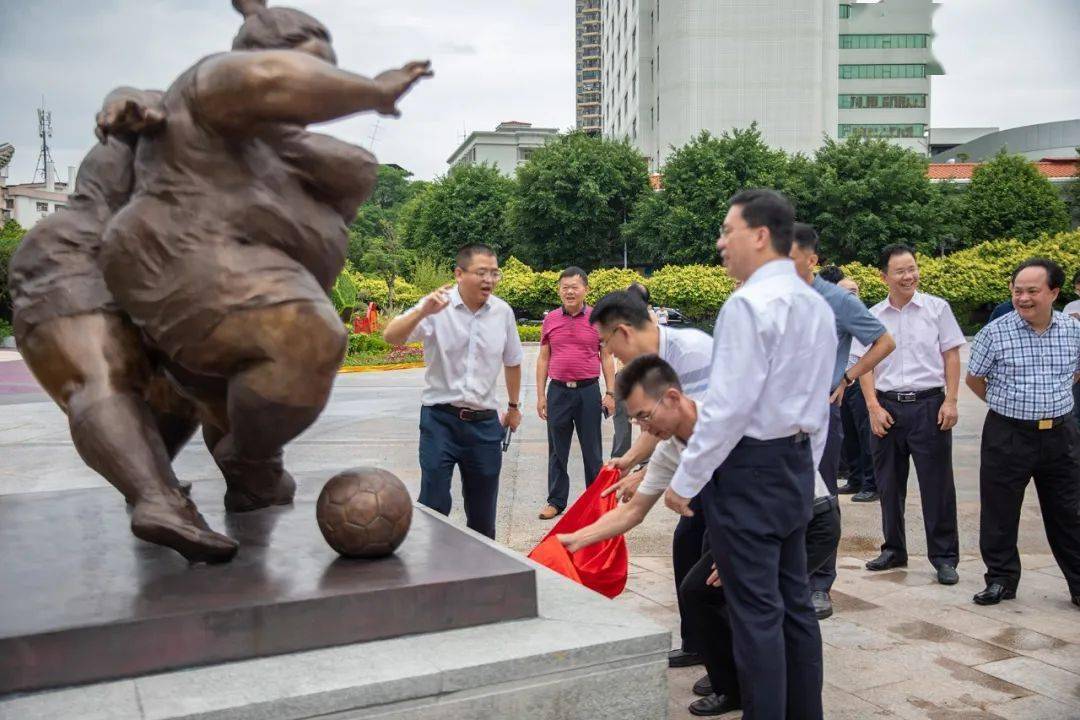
(899, 645)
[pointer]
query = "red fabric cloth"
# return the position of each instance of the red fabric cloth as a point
(602, 566)
(575, 345)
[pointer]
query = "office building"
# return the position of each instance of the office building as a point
(506, 147)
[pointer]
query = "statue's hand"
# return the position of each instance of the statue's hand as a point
(395, 83)
(129, 111)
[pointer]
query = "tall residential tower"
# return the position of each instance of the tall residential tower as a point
(587, 42)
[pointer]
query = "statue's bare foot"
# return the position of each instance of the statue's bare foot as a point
(184, 487)
(175, 522)
(278, 489)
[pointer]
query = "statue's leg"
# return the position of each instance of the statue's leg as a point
(93, 367)
(176, 417)
(281, 362)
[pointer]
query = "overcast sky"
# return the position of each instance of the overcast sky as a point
(1008, 63)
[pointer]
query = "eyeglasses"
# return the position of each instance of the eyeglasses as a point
(493, 275)
(642, 420)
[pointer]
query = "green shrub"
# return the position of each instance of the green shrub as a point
(373, 343)
(429, 274)
(343, 294)
(373, 289)
(526, 290)
(5, 329)
(696, 290)
(606, 280)
(529, 333)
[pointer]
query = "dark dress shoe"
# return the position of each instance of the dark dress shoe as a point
(713, 705)
(865, 496)
(886, 561)
(1076, 600)
(848, 489)
(947, 575)
(993, 594)
(822, 604)
(703, 687)
(679, 658)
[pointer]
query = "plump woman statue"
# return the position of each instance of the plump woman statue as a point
(216, 271)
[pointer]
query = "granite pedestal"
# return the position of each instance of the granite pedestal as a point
(468, 629)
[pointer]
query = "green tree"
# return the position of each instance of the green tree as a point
(571, 199)
(863, 194)
(467, 205)
(1010, 198)
(11, 234)
(679, 224)
(1071, 194)
(393, 191)
(387, 258)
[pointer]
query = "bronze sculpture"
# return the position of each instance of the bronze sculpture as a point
(216, 269)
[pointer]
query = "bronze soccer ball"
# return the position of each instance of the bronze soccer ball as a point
(364, 512)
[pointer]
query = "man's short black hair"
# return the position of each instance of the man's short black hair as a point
(1055, 276)
(465, 254)
(575, 271)
(761, 207)
(641, 290)
(652, 373)
(805, 237)
(831, 273)
(621, 306)
(890, 251)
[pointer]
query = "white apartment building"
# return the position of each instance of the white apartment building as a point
(886, 62)
(587, 51)
(509, 145)
(672, 68)
(802, 69)
(28, 203)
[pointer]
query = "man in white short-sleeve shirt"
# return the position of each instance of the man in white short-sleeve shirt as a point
(468, 335)
(656, 401)
(911, 398)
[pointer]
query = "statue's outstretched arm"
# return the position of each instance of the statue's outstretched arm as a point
(241, 88)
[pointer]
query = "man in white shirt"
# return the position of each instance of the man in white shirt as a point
(656, 401)
(628, 330)
(760, 435)
(911, 398)
(468, 335)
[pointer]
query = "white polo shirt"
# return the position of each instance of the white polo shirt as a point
(689, 353)
(465, 351)
(923, 330)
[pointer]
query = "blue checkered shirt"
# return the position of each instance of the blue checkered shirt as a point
(1028, 376)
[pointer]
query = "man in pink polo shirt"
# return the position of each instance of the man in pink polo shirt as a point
(571, 357)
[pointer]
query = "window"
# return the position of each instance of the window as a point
(859, 102)
(43, 207)
(524, 153)
(9, 203)
(914, 130)
(870, 42)
(845, 11)
(882, 72)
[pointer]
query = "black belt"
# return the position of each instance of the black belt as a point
(824, 504)
(1044, 424)
(797, 438)
(910, 397)
(466, 414)
(576, 383)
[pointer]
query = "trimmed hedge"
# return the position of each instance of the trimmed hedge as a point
(968, 279)
(529, 333)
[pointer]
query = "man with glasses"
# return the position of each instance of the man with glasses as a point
(628, 330)
(655, 399)
(572, 359)
(468, 335)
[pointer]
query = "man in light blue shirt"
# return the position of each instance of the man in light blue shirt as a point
(852, 320)
(760, 434)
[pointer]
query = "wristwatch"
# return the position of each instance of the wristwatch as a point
(512, 405)
(848, 380)
(608, 392)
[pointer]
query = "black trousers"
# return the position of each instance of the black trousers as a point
(476, 449)
(856, 446)
(621, 440)
(915, 435)
(708, 606)
(823, 576)
(756, 508)
(686, 550)
(569, 409)
(1011, 456)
